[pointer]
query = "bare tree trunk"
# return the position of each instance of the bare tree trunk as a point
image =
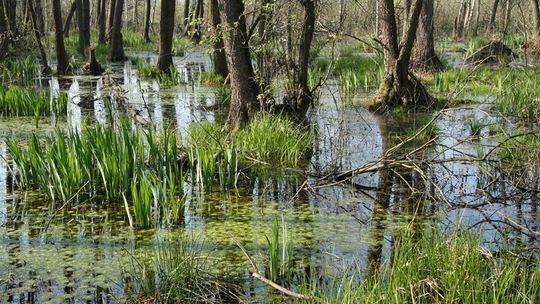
(187, 16)
(424, 58)
(460, 20)
(110, 21)
(102, 27)
(536, 19)
(303, 97)
(37, 33)
(117, 45)
(4, 37)
(476, 18)
(218, 49)
(166, 31)
(83, 20)
(507, 15)
(61, 54)
(67, 24)
(493, 15)
(397, 87)
(38, 8)
(147, 21)
(244, 88)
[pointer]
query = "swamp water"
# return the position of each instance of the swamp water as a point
(78, 252)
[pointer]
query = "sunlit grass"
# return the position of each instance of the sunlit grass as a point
(20, 101)
(21, 71)
(436, 268)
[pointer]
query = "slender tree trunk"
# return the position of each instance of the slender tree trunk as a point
(67, 24)
(110, 20)
(303, 93)
(460, 20)
(187, 16)
(424, 58)
(199, 14)
(10, 7)
(4, 37)
(147, 21)
(536, 19)
(61, 54)
(397, 87)
(37, 33)
(244, 88)
(117, 45)
(493, 15)
(507, 15)
(218, 49)
(102, 27)
(166, 31)
(83, 20)
(38, 8)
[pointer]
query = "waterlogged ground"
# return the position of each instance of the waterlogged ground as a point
(78, 252)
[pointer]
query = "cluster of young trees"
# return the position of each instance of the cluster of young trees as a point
(277, 35)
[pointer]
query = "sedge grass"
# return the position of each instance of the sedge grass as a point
(435, 269)
(21, 71)
(19, 101)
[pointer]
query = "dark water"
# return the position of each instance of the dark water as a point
(78, 252)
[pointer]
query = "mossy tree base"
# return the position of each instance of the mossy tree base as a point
(391, 94)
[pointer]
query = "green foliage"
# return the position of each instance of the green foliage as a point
(107, 161)
(275, 139)
(517, 95)
(436, 269)
(212, 78)
(133, 40)
(278, 252)
(357, 72)
(177, 271)
(21, 71)
(519, 151)
(149, 71)
(18, 101)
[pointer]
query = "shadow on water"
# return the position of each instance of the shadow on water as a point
(77, 253)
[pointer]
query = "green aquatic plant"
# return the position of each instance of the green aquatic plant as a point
(279, 251)
(149, 71)
(436, 268)
(178, 270)
(21, 71)
(212, 78)
(19, 101)
(276, 139)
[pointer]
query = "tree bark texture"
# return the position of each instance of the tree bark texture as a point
(83, 20)
(61, 54)
(303, 94)
(536, 19)
(69, 18)
(166, 31)
(397, 87)
(147, 20)
(117, 45)
(110, 20)
(4, 39)
(424, 57)
(244, 88)
(102, 25)
(37, 33)
(218, 49)
(493, 15)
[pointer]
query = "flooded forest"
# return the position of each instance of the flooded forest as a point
(269, 151)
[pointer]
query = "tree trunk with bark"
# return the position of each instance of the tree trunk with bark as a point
(61, 54)
(110, 20)
(102, 25)
(399, 86)
(42, 53)
(71, 13)
(536, 19)
(38, 8)
(493, 15)
(302, 95)
(424, 58)
(4, 37)
(244, 88)
(83, 20)
(117, 45)
(196, 35)
(218, 49)
(147, 20)
(166, 31)
(187, 17)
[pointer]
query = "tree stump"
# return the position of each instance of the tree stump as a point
(495, 52)
(92, 67)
